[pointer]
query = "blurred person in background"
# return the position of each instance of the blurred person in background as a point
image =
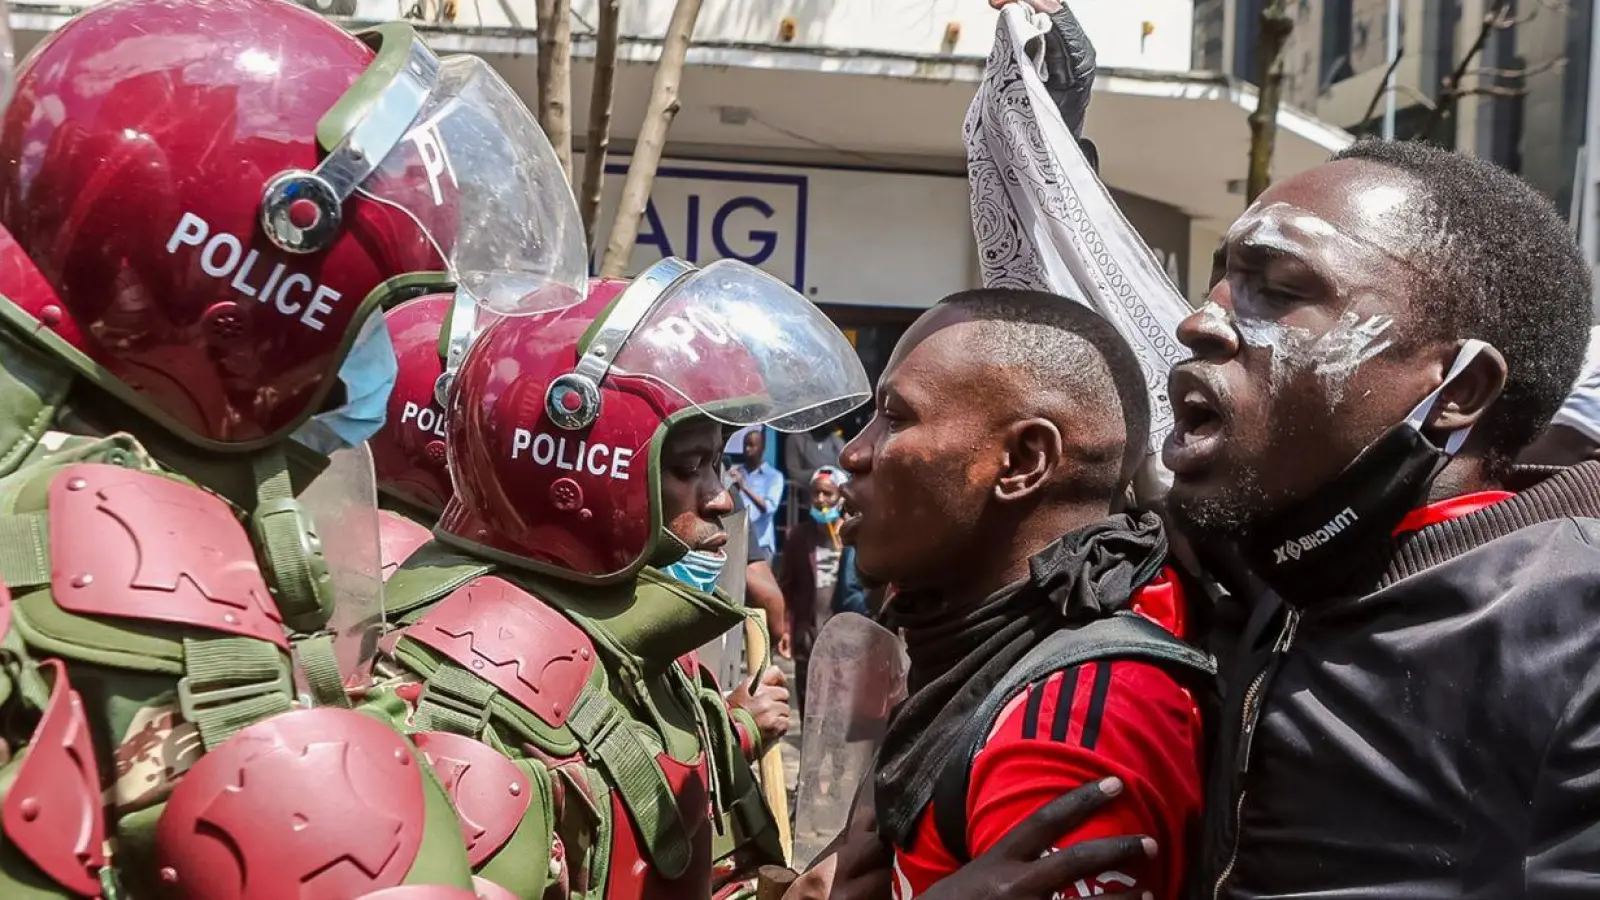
(808, 451)
(761, 592)
(817, 571)
(1574, 434)
(759, 488)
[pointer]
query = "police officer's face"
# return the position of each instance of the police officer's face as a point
(693, 500)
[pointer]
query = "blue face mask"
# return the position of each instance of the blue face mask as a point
(368, 374)
(699, 570)
(826, 516)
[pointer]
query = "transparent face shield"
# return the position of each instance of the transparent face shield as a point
(730, 340)
(343, 503)
(449, 144)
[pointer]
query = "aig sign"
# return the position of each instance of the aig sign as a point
(706, 213)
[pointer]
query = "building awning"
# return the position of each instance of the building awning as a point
(1182, 139)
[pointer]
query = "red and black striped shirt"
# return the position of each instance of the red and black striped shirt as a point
(1123, 718)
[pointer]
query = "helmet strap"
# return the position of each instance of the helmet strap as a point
(668, 549)
(289, 546)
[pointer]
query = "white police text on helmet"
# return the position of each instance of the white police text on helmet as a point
(435, 160)
(222, 256)
(1294, 547)
(426, 419)
(572, 455)
(681, 331)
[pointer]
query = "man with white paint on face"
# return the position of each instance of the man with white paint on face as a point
(1412, 707)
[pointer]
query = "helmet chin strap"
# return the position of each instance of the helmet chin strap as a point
(669, 549)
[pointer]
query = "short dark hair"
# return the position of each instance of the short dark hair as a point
(1505, 269)
(1067, 345)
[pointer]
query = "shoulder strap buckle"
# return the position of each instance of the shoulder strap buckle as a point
(194, 701)
(455, 701)
(232, 683)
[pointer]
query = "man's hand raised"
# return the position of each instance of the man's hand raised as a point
(1022, 866)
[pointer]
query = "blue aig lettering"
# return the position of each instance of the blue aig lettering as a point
(767, 241)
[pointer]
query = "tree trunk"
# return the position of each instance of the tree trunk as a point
(1450, 90)
(599, 136)
(555, 78)
(652, 139)
(1276, 26)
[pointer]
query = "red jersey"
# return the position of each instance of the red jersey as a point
(1124, 718)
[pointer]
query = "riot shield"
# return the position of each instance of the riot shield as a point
(343, 504)
(857, 675)
(8, 55)
(724, 656)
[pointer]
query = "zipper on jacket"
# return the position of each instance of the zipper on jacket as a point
(1250, 718)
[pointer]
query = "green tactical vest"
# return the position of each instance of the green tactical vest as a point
(157, 695)
(640, 700)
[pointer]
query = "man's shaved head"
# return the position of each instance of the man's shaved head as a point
(1068, 359)
(1004, 420)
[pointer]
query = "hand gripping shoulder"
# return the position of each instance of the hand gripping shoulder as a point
(53, 811)
(141, 546)
(513, 640)
(316, 804)
(489, 793)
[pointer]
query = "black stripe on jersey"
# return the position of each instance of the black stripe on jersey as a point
(1097, 705)
(1030, 717)
(1067, 691)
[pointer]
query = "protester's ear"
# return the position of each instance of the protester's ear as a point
(1033, 452)
(1464, 401)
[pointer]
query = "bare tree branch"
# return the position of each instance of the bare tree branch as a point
(1525, 72)
(1415, 96)
(1378, 95)
(1450, 89)
(1493, 91)
(555, 78)
(1276, 26)
(652, 141)
(599, 136)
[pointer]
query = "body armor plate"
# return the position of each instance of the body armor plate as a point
(491, 795)
(316, 804)
(514, 641)
(52, 812)
(140, 546)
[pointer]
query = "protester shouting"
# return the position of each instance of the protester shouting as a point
(992, 512)
(1414, 709)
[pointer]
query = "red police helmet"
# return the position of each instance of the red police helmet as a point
(408, 451)
(431, 334)
(202, 203)
(557, 420)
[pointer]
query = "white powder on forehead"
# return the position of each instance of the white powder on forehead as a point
(1380, 200)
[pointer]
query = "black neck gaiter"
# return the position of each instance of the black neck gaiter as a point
(1339, 539)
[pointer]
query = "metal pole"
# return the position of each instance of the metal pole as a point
(1388, 84)
(1589, 203)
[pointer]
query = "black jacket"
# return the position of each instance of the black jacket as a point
(1437, 737)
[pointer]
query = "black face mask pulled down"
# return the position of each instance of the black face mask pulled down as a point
(1340, 538)
(959, 655)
